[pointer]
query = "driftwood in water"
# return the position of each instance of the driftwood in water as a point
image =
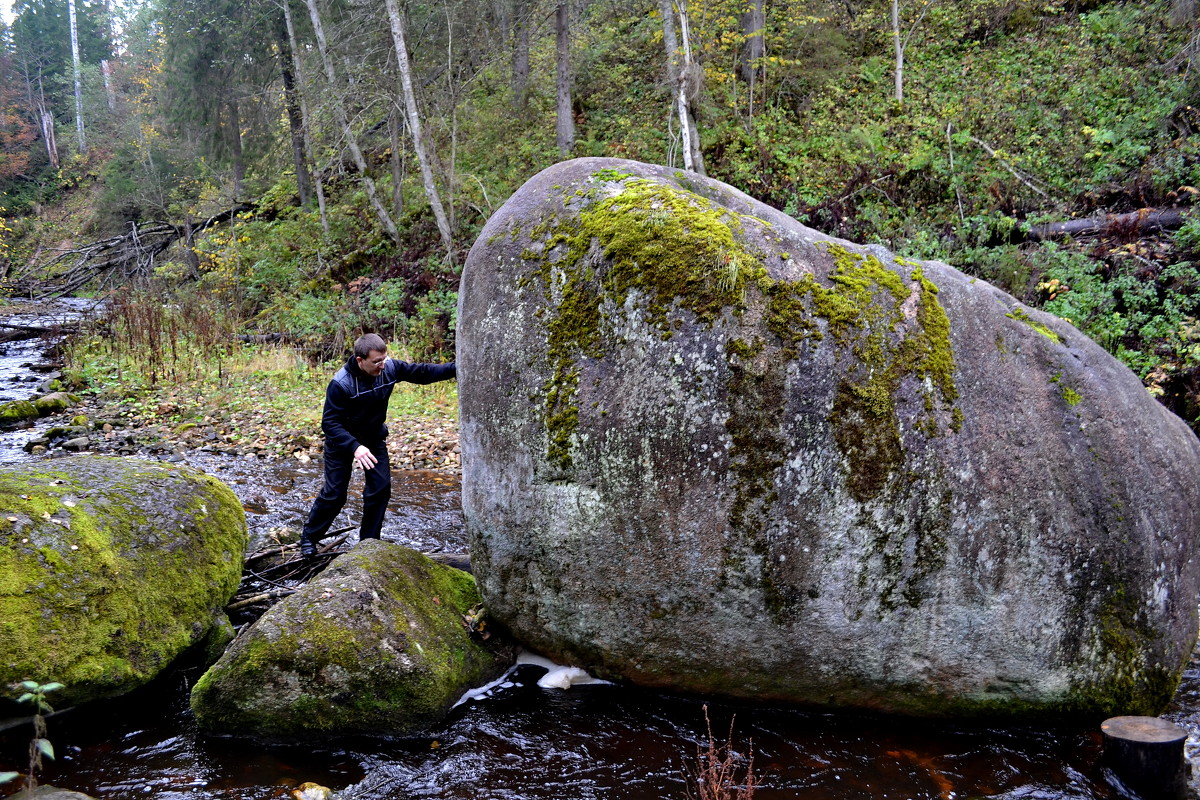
(129, 256)
(36, 330)
(1138, 223)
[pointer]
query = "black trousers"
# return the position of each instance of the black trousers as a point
(339, 466)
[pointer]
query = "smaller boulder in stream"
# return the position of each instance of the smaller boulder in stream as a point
(17, 411)
(375, 645)
(53, 403)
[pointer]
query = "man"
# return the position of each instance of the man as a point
(355, 409)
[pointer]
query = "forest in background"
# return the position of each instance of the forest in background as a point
(316, 168)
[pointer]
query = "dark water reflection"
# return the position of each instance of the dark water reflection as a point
(589, 742)
(521, 742)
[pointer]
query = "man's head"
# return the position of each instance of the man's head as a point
(370, 353)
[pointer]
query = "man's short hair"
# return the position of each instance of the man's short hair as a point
(364, 344)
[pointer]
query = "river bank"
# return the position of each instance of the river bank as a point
(418, 442)
(243, 399)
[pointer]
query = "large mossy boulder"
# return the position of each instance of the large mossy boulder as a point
(110, 569)
(709, 449)
(375, 645)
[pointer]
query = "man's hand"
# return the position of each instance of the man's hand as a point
(364, 458)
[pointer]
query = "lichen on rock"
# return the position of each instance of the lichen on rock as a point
(110, 569)
(375, 645)
(868, 481)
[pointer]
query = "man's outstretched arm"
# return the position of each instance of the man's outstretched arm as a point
(424, 373)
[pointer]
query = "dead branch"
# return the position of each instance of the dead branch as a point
(128, 257)
(263, 597)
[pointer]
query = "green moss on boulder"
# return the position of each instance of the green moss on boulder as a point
(53, 403)
(869, 481)
(17, 411)
(109, 569)
(374, 645)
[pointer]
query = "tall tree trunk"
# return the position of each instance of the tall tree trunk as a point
(753, 21)
(46, 120)
(339, 112)
(565, 126)
(452, 92)
(692, 158)
(110, 91)
(235, 147)
(78, 74)
(520, 54)
(395, 121)
(414, 126)
(298, 73)
(295, 122)
(899, 51)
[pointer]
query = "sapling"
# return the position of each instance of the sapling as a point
(39, 747)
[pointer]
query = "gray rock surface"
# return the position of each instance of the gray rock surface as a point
(109, 569)
(375, 645)
(47, 792)
(709, 449)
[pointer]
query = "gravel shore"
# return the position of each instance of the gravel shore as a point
(414, 442)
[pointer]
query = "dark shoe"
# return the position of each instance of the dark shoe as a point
(307, 547)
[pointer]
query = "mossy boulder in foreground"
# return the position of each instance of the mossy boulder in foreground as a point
(109, 569)
(709, 449)
(375, 644)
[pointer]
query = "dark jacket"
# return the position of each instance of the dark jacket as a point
(356, 403)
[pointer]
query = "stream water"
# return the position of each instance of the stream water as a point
(521, 742)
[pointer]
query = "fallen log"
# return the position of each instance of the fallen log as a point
(39, 328)
(1140, 223)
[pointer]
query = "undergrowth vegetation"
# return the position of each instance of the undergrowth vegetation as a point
(176, 363)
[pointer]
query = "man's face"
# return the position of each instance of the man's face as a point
(373, 363)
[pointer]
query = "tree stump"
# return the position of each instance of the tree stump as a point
(1146, 754)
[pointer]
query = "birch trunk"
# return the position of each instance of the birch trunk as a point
(298, 72)
(899, 51)
(339, 112)
(46, 119)
(692, 158)
(414, 126)
(565, 125)
(78, 74)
